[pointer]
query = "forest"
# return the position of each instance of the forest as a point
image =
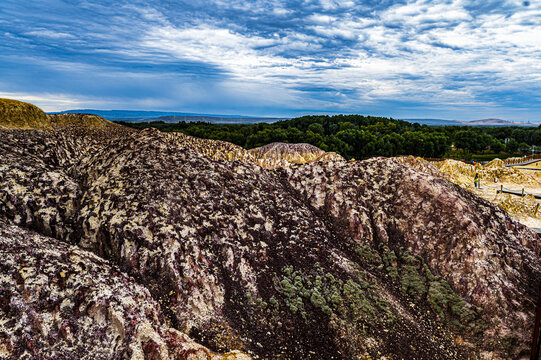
(360, 137)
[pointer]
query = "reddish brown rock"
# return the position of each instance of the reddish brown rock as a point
(488, 258)
(282, 155)
(60, 302)
(328, 260)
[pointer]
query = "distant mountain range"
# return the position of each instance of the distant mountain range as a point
(435, 122)
(216, 119)
(172, 117)
(483, 122)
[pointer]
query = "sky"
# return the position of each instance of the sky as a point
(454, 59)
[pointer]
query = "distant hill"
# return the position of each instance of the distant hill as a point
(16, 114)
(172, 117)
(215, 119)
(126, 115)
(497, 122)
(175, 117)
(482, 122)
(21, 115)
(435, 122)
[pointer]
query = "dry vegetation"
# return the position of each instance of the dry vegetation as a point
(18, 114)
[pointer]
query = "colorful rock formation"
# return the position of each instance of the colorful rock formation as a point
(282, 155)
(160, 246)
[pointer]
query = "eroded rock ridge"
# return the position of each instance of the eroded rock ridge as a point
(125, 244)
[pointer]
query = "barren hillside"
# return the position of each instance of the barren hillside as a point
(142, 245)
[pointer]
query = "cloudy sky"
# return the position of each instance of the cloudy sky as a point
(454, 59)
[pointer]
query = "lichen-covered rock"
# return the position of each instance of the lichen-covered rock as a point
(422, 165)
(34, 189)
(61, 302)
(294, 153)
(272, 156)
(240, 260)
(213, 149)
(41, 171)
(487, 257)
(330, 156)
(282, 155)
(326, 260)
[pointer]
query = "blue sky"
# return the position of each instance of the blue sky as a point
(455, 59)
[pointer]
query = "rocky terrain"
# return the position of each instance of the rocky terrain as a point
(61, 302)
(212, 149)
(122, 244)
(281, 155)
(272, 156)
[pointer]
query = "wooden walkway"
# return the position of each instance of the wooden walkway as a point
(517, 192)
(528, 162)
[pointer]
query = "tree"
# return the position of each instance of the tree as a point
(497, 146)
(524, 147)
(512, 145)
(316, 128)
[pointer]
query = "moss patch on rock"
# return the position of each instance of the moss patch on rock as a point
(352, 301)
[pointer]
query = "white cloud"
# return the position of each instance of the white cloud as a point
(333, 4)
(52, 102)
(50, 34)
(404, 62)
(426, 51)
(280, 11)
(237, 53)
(148, 13)
(421, 12)
(335, 32)
(320, 19)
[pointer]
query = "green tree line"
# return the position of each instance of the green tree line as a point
(357, 136)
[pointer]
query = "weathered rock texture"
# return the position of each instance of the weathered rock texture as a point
(486, 257)
(422, 165)
(60, 302)
(82, 122)
(282, 155)
(295, 153)
(213, 149)
(327, 260)
(272, 156)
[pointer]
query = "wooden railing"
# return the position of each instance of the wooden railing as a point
(518, 160)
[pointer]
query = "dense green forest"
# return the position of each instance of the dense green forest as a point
(356, 136)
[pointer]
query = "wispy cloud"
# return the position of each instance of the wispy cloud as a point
(51, 102)
(49, 34)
